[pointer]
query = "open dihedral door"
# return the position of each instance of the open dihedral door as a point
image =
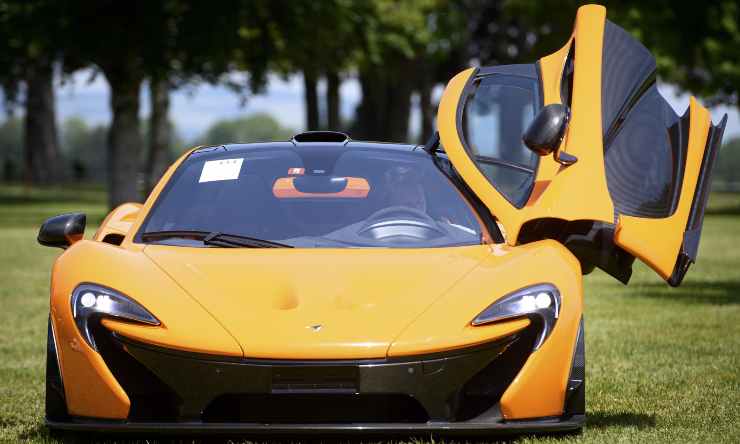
(630, 178)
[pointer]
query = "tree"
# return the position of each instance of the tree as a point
(41, 143)
(394, 33)
(697, 47)
(168, 41)
(444, 54)
(322, 38)
(30, 33)
(333, 118)
(133, 32)
(159, 132)
(411, 47)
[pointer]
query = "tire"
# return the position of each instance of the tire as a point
(56, 406)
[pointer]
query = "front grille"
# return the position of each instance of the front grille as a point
(315, 409)
(166, 385)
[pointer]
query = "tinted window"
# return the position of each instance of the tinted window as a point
(644, 159)
(496, 113)
(317, 196)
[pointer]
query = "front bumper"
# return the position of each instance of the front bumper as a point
(452, 392)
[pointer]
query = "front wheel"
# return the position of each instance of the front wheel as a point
(56, 406)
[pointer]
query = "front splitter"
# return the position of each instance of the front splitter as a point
(547, 425)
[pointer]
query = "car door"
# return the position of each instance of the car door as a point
(630, 177)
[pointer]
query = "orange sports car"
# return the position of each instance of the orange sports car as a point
(324, 284)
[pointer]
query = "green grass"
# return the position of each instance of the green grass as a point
(663, 363)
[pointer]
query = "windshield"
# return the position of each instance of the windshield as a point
(313, 196)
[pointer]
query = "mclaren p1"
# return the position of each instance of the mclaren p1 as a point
(324, 284)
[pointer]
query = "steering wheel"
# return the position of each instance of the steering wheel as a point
(421, 223)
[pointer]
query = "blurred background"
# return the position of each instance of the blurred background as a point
(98, 96)
(102, 95)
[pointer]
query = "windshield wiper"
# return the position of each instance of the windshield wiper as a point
(215, 238)
(237, 240)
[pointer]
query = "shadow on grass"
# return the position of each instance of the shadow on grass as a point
(7, 422)
(36, 218)
(724, 204)
(35, 196)
(28, 207)
(40, 432)
(622, 419)
(46, 199)
(723, 211)
(694, 292)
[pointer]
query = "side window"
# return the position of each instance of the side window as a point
(652, 134)
(496, 113)
(645, 141)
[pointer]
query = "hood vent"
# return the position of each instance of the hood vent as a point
(321, 136)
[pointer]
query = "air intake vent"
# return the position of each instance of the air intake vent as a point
(113, 238)
(321, 136)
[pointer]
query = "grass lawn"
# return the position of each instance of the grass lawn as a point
(663, 364)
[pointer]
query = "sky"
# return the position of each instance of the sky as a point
(193, 110)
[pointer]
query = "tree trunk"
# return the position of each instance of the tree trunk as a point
(124, 137)
(399, 109)
(368, 122)
(40, 141)
(159, 132)
(426, 113)
(399, 89)
(383, 113)
(333, 121)
(311, 100)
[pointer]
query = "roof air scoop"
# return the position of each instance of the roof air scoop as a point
(321, 136)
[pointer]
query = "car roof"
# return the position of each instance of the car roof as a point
(237, 147)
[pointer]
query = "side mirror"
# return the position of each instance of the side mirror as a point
(544, 134)
(62, 231)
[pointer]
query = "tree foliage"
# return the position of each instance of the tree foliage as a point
(258, 127)
(697, 45)
(171, 41)
(31, 34)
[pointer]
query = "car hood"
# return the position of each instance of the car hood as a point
(316, 303)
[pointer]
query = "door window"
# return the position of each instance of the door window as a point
(496, 113)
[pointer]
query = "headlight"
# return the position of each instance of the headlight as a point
(539, 301)
(91, 302)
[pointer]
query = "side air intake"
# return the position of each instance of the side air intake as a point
(321, 136)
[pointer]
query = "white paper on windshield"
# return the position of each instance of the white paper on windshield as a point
(223, 169)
